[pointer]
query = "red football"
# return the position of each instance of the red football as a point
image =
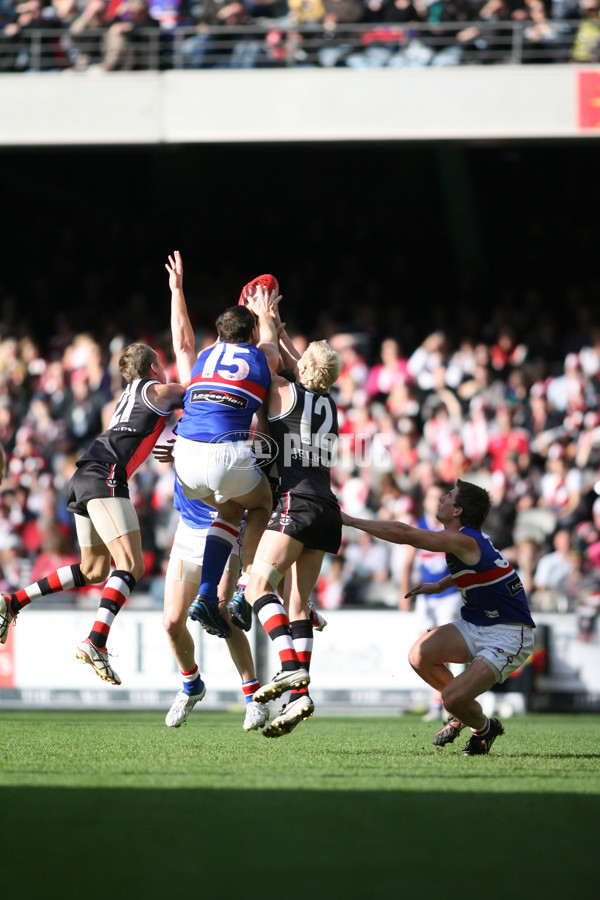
(266, 281)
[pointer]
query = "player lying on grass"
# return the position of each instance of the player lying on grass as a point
(495, 632)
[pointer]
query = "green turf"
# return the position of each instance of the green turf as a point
(115, 805)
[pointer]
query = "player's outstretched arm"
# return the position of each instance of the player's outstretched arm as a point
(430, 587)
(181, 328)
(446, 541)
(394, 532)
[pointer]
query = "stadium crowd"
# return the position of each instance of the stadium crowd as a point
(56, 35)
(517, 412)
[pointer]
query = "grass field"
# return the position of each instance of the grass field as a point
(116, 805)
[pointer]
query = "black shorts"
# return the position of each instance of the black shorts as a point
(317, 523)
(95, 479)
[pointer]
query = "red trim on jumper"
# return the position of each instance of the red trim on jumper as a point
(474, 579)
(257, 390)
(146, 445)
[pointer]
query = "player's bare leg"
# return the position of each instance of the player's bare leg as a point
(430, 653)
(258, 504)
(460, 693)
(428, 657)
(126, 553)
(179, 595)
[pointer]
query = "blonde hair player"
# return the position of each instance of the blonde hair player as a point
(306, 522)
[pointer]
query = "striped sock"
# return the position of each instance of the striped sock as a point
(302, 636)
(249, 688)
(483, 732)
(220, 541)
(61, 580)
(273, 618)
(116, 592)
(192, 683)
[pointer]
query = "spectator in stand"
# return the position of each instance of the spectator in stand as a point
(506, 352)
(587, 537)
(405, 455)
(367, 564)
(305, 12)
(561, 487)
(356, 434)
(354, 366)
(490, 39)
(20, 52)
(506, 438)
(589, 354)
(586, 45)
(427, 358)
(351, 489)
(343, 12)
(461, 363)
(403, 404)
(482, 382)
(587, 453)
(542, 421)
(475, 431)
(233, 49)
(542, 39)
(441, 434)
(169, 13)
(53, 388)
(440, 392)
(87, 34)
(399, 11)
(384, 376)
(84, 410)
(552, 571)
(331, 584)
(570, 390)
(133, 39)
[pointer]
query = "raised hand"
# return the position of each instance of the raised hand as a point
(175, 269)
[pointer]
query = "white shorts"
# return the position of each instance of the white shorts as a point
(505, 648)
(187, 554)
(226, 470)
(432, 610)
